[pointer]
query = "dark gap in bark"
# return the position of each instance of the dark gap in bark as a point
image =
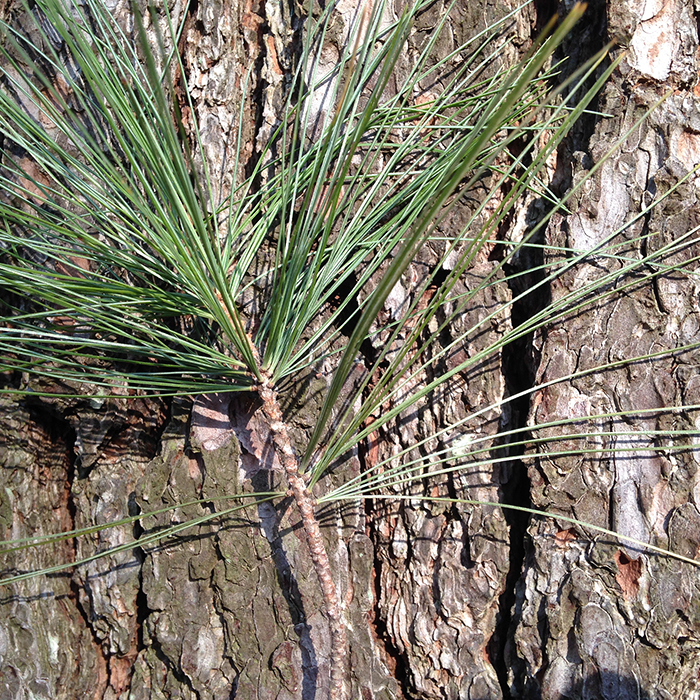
(455, 516)
(588, 37)
(191, 16)
(61, 436)
(519, 366)
(52, 421)
(142, 609)
(519, 359)
(524, 684)
(348, 316)
(59, 432)
(514, 492)
(257, 97)
(543, 631)
(70, 479)
(439, 278)
(71, 508)
(393, 658)
(133, 508)
(544, 11)
(161, 424)
(644, 246)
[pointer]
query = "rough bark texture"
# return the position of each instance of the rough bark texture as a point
(440, 602)
(596, 620)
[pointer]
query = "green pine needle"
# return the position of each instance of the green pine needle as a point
(121, 271)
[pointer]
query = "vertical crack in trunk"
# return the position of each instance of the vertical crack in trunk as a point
(520, 359)
(519, 367)
(394, 659)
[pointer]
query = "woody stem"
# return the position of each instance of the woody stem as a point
(319, 555)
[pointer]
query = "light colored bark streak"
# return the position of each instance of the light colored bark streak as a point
(319, 555)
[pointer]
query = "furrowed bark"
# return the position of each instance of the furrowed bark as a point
(317, 548)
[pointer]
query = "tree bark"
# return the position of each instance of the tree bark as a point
(593, 618)
(440, 601)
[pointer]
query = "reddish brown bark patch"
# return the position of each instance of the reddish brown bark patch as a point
(628, 574)
(564, 537)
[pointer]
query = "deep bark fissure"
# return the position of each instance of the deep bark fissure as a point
(644, 249)
(514, 492)
(142, 609)
(398, 664)
(545, 10)
(518, 365)
(520, 359)
(69, 437)
(141, 600)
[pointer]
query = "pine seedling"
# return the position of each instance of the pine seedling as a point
(121, 272)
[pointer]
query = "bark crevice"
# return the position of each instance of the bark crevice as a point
(394, 659)
(519, 364)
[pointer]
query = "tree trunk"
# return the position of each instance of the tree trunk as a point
(593, 618)
(442, 601)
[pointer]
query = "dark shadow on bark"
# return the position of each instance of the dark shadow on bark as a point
(602, 684)
(16, 598)
(270, 517)
(525, 275)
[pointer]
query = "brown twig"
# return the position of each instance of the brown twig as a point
(305, 502)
